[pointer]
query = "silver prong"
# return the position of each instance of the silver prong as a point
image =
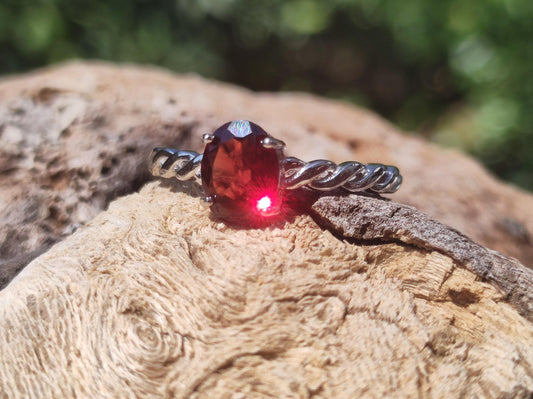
(208, 138)
(206, 202)
(271, 142)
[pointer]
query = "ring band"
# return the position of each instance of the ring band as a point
(246, 176)
(319, 174)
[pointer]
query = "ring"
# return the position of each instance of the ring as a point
(246, 176)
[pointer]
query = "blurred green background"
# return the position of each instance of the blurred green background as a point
(456, 71)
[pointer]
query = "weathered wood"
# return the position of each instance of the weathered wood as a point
(154, 298)
(74, 137)
(353, 297)
(367, 218)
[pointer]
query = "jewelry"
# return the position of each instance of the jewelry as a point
(246, 176)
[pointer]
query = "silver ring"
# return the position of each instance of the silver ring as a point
(319, 174)
(249, 142)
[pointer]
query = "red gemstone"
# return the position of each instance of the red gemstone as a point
(240, 174)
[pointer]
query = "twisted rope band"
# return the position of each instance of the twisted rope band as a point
(319, 174)
(169, 163)
(352, 176)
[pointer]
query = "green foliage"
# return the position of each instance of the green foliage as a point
(458, 71)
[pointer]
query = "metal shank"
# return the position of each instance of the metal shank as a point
(319, 174)
(169, 163)
(352, 176)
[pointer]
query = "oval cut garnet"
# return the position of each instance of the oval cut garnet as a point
(240, 174)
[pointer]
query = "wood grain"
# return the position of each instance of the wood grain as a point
(375, 219)
(154, 298)
(76, 136)
(148, 295)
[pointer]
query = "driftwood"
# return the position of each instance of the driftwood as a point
(154, 298)
(372, 219)
(75, 137)
(354, 296)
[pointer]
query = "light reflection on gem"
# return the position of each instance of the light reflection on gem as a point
(240, 128)
(264, 203)
(238, 172)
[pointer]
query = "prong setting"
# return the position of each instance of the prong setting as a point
(208, 138)
(206, 201)
(252, 164)
(271, 142)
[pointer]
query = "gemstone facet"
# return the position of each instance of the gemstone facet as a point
(240, 174)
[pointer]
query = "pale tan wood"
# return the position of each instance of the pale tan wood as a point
(155, 298)
(76, 136)
(367, 218)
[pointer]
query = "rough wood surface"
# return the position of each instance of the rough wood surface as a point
(366, 218)
(75, 137)
(358, 297)
(154, 298)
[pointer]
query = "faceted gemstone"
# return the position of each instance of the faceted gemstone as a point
(240, 174)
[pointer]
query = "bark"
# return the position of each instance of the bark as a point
(374, 219)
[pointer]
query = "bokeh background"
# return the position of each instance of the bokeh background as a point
(459, 72)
